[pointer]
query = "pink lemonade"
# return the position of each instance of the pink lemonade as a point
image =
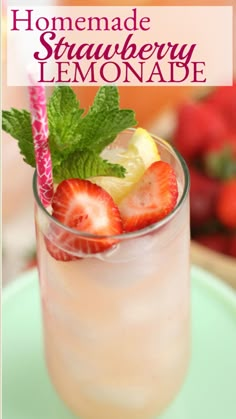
(117, 323)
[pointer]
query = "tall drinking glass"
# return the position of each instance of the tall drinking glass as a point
(117, 324)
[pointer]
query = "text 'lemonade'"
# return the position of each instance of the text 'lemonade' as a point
(113, 253)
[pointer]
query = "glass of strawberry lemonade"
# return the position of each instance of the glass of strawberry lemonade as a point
(113, 259)
(116, 322)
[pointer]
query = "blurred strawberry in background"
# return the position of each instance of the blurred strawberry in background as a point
(226, 203)
(215, 241)
(224, 100)
(205, 135)
(232, 246)
(203, 196)
(199, 125)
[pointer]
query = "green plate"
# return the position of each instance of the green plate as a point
(208, 393)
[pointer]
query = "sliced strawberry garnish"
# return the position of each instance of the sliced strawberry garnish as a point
(152, 198)
(84, 206)
(57, 253)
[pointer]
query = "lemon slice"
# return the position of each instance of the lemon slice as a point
(139, 155)
(145, 146)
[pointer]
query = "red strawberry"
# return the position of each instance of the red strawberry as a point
(58, 253)
(198, 125)
(151, 199)
(203, 195)
(215, 241)
(224, 99)
(229, 140)
(226, 203)
(220, 157)
(232, 246)
(86, 207)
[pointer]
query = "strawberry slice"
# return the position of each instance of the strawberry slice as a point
(84, 206)
(57, 253)
(152, 198)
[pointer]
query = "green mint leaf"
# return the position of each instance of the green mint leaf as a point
(101, 128)
(107, 98)
(104, 120)
(86, 164)
(75, 140)
(64, 117)
(18, 125)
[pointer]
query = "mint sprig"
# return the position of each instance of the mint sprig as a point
(107, 98)
(18, 125)
(85, 164)
(64, 117)
(100, 128)
(75, 140)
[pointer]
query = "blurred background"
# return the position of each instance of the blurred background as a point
(209, 123)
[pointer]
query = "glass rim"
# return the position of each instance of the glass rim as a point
(126, 235)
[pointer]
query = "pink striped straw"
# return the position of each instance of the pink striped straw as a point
(41, 146)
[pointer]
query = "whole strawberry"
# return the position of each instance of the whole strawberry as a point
(198, 124)
(214, 241)
(232, 246)
(224, 100)
(220, 157)
(203, 195)
(226, 203)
